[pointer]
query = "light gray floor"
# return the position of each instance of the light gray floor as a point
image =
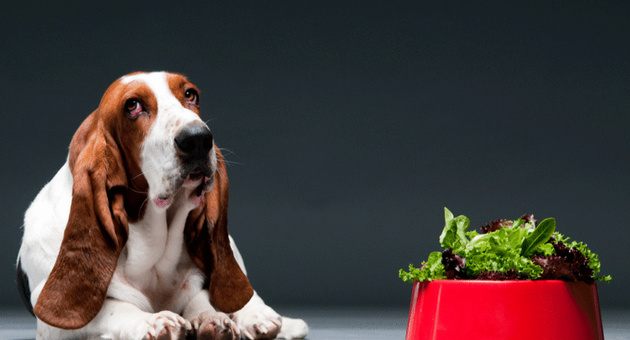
(329, 323)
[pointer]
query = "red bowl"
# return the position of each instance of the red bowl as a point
(471, 309)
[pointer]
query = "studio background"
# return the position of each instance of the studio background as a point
(348, 125)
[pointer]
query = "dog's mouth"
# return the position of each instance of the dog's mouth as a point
(200, 179)
(196, 175)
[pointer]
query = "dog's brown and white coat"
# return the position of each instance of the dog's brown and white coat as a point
(129, 240)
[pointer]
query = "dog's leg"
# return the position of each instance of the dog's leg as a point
(293, 329)
(208, 323)
(256, 320)
(120, 320)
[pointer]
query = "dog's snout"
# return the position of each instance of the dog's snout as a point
(194, 140)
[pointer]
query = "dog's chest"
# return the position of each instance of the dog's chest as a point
(155, 260)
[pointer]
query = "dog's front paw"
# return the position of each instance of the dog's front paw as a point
(258, 322)
(293, 329)
(165, 325)
(212, 325)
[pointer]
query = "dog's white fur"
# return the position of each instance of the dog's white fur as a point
(156, 285)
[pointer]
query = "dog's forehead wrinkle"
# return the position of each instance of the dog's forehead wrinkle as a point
(158, 83)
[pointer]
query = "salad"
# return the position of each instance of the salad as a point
(521, 249)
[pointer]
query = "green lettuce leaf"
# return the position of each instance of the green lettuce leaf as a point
(499, 251)
(454, 232)
(432, 269)
(592, 257)
(539, 236)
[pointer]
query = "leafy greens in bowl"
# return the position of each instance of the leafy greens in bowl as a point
(519, 249)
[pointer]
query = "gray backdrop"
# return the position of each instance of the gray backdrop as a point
(348, 126)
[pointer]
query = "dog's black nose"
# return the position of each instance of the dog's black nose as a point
(194, 140)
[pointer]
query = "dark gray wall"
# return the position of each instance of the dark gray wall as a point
(349, 126)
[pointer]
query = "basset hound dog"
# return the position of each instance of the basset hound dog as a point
(129, 239)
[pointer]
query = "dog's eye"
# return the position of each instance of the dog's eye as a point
(192, 97)
(133, 108)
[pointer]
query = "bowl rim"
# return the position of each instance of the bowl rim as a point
(505, 281)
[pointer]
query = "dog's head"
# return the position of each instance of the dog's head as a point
(145, 147)
(177, 148)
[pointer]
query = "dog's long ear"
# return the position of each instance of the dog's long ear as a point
(208, 244)
(95, 234)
